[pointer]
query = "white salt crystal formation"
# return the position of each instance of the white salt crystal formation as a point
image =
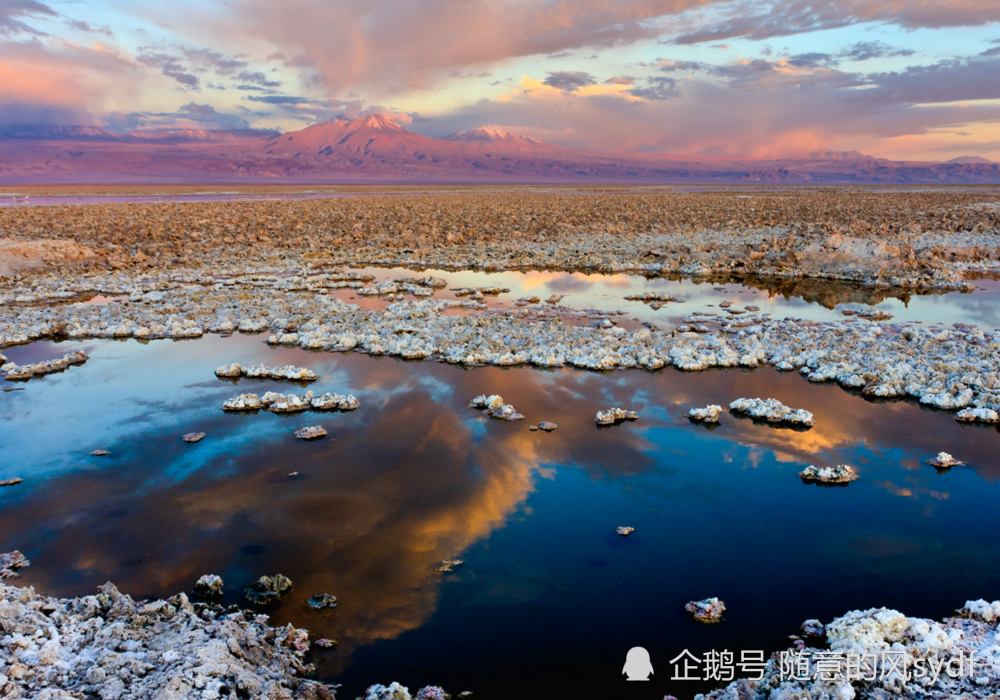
(840, 474)
(479, 292)
(709, 414)
(312, 432)
(945, 461)
(981, 610)
(13, 371)
(495, 407)
(911, 641)
(209, 585)
(625, 531)
(813, 628)
(300, 374)
(109, 646)
(291, 403)
(654, 296)
(395, 691)
(978, 415)
(873, 314)
(708, 611)
(615, 415)
(398, 288)
(10, 562)
(773, 411)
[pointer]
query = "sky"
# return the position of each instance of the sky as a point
(901, 79)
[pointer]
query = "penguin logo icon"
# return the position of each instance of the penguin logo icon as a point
(637, 664)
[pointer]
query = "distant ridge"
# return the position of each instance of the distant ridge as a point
(845, 156)
(55, 132)
(376, 148)
(970, 160)
(47, 132)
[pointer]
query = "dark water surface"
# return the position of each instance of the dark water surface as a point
(550, 599)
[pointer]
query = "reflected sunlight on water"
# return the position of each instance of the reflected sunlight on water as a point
(548, 594)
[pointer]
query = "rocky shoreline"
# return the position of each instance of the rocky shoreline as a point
(110, 646)
(902, 657)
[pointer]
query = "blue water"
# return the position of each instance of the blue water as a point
(549, 599)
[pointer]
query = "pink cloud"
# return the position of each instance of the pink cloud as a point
(386, 47)
(67, 81)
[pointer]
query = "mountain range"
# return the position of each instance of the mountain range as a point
(377, 149)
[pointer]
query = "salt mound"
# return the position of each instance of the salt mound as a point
(615, 415)
(839, 474)
(495, 407)
(13, 371)
(773, 411)
(709, 414)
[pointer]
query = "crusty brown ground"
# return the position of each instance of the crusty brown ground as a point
(916, 238)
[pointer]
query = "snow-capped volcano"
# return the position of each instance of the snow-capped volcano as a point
(487, 134)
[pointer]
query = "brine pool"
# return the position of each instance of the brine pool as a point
(819, 300)
(549, 599)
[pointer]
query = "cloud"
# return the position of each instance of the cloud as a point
(669, 66)
(751, 108)
(812, 60)
(62, 84)
(658, 87)
(11, 10)
(866, 50)
(207, 114)
(569, 80)
(257, 78)
(385, 47)
(952, 80)
(189, 116)
(280, 99)
(311, 111)
(169, 66)
(218, 62)
(760, 20)
(621, 80)
(83, 26)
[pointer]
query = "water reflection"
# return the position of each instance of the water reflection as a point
(817, 299)
(414, 477)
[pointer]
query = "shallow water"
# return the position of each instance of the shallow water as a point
(820, 300)
(549, 599)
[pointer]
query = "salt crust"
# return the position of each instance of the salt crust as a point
(839, 474)
(953, 368)
(495, 407)
(291, 403)
(772, 411)
(915, 640)
(38, 369)
(299, 374)
(615, 415)
(108, 645)
(709, 414)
